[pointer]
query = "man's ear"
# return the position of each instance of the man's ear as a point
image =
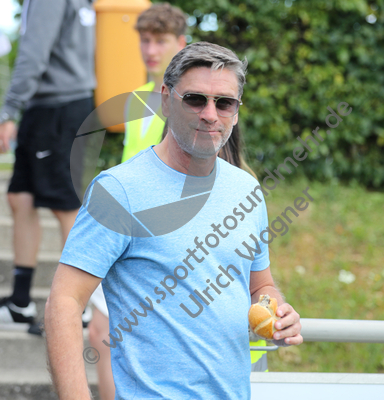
(236, 119)
(165, 100)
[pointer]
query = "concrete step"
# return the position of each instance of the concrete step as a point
(45, 270)
(3, 185)
(7, 159)
(23, 365)
(36, 390)
(23, 371)
(4, 206)
(5, 175)
(23, 350)
(51, 237)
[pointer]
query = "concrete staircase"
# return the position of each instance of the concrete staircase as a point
(23, 370)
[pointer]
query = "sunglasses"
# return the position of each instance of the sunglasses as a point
(196, 102)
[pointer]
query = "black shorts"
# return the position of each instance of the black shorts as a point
(44, 143)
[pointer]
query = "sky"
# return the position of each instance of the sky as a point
(7, 9)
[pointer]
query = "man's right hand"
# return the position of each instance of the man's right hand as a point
(8, 132)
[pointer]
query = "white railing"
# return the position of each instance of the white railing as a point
(320, 386)
(337, 330)
(342, 330)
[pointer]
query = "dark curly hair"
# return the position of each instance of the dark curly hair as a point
(162, 18)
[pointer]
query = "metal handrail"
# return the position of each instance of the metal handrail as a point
(336, 330)
(263, 348)
(346, 378)
(342, 330)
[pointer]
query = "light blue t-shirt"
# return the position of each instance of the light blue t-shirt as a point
(178, 302)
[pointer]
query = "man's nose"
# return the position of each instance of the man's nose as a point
(209, 113)
(151, 48)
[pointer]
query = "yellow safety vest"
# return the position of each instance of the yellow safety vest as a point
(136, 139)
(259, 358)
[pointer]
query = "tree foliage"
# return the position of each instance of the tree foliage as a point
(303, 57)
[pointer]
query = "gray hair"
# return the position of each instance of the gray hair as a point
(204, 54)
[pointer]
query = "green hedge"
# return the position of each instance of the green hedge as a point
(303, 57)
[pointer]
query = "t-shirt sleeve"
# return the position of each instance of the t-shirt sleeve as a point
(261, 260)
(101, 233)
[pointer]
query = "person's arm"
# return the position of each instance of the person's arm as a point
(289, 327)
(42, 22)
(8, 132)
(70, 292)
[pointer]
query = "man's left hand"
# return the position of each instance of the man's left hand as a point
(8, 132)
(288, 327)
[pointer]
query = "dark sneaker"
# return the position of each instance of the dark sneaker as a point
(11, 313)
(37, 329)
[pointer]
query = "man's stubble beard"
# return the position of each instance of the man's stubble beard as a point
(192, 143)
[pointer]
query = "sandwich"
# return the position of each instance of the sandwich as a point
(262, 317)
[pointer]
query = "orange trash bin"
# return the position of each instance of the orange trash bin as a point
(118, 63)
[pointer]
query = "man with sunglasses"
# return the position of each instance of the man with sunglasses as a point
(161, 29)
(168, 340)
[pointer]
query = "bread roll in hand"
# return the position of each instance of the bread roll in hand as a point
(262, 317)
